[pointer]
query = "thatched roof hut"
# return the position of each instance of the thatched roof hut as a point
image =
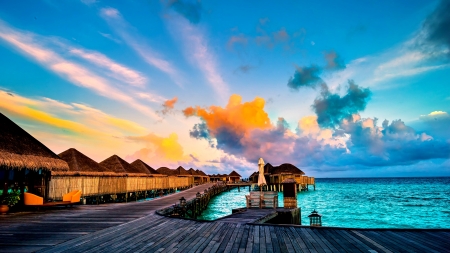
(19, 150)
(180, 171)
(234, 174)
(81, 165)
(145, 168)
(192, 172)
(201, 173)
(287, 168)
(116, 164)
(166, 171)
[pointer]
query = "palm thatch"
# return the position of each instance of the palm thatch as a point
(145, 168)
(268, 168)
(81, 163)
(201, 173)
(192, 172)
(166, 171)
(287, 168)
(180, 171)
(234, 174)
(19, 150)
(116, 164)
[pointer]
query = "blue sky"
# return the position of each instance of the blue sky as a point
(193, 83)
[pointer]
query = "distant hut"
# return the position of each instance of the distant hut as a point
(25, 163)
(285, 170)
(80, 164)
(146, 168)
(205, 178)
(197, 177)
(181, 172)
(234, 176)
(166, 171)
(116, 164)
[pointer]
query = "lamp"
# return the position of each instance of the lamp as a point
(198, 195)
(182, 202)
(315, 219)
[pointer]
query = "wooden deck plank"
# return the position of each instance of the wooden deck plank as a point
(282, 243)
(321, 240)
(299, 240)
(439, 245)
(226, 239)
(274, 239)
(268, 239)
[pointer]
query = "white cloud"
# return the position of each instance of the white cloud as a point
(198, 52)
(122, 28)
(117, 70)
(32, 46)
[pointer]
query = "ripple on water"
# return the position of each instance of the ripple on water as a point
(362, 203)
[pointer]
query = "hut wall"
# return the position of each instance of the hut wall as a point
(95, 185)
(311, 180)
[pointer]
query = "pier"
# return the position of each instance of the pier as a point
(135, 227)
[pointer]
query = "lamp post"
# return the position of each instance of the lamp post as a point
(182, 202)
(198, 195)
(315, 219)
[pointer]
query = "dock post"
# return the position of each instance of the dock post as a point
(239, 188)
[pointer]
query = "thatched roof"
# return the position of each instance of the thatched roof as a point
(286, 168)
(192, 172)
(79, 162)
(201, 173)
(116, 164)
(145, 168)
(20, 150)
(268, 168)
(180, 171)
(166, 171)
(234, 174)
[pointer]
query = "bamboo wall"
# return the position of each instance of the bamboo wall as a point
(95, 185)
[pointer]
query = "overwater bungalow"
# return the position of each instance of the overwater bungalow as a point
(234, 177)
(143, 166)
(25, 163)
(166, 171)
(275, 175)
(205, 178)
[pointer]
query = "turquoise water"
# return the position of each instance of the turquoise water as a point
(362, 202)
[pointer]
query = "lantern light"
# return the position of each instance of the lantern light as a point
(315, 219)
(182, 202)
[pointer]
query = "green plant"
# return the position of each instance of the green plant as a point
(10, 198)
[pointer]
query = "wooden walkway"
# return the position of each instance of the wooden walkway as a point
(134, 227)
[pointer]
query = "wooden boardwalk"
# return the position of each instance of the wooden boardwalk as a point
(134, 227)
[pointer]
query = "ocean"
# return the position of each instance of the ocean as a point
(362, 202)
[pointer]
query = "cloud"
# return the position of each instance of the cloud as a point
(245, 68)
(334, 61)
(158, 149)
(437, 25)
(230, 124)
(310, 76)
(355, 143)
(306, 77)
(281, 35)
(436, 123)
(331, 109)
(33, 46)
(191, 10)
(169, 105)
(117, 70)
(124, 30)
(198, 51)
(239, 39)
(110, 37)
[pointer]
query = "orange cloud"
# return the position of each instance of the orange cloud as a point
(159, 149)
(237, 117)
(169, 105)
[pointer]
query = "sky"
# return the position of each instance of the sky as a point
(339, 89)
